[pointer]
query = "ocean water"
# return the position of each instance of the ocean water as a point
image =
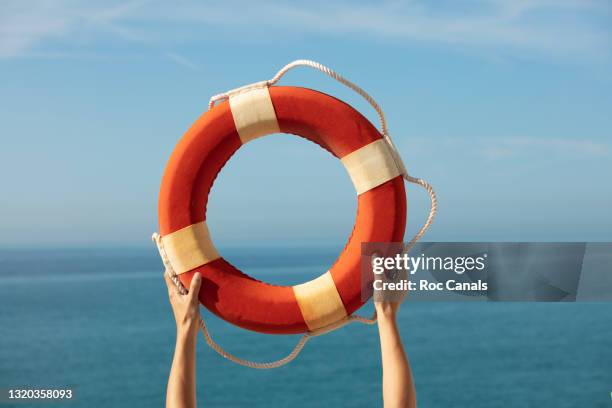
(98, 321)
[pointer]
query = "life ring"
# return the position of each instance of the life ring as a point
(253, 112)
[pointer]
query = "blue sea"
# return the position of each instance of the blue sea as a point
(98, 321)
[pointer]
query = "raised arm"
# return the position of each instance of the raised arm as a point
(398, 385)
(181, 390)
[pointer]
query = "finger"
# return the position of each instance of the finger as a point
(194, 287)
(172, 289)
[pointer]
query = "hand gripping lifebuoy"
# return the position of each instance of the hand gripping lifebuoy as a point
(253, 112)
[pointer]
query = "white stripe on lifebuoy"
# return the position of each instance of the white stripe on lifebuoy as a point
(319, 302)
(253, 113)
(190, 247)
(371, 165)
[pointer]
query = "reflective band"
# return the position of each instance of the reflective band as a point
(253, 113)
(319, 302)
(371, 166)
(189, 247)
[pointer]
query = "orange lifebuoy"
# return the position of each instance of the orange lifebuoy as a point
(209, 144)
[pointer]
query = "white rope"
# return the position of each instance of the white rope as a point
(384, 130)
(349, 319)
(225, 354)
(327, 71)
(433, 202)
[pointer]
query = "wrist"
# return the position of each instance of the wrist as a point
(187, 331)
(386, 311)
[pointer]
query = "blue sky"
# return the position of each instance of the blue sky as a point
(505, 107)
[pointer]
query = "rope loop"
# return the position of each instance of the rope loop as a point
(241, 361)
(327, 71)
(349, 319)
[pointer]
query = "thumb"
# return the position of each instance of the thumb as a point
(194, 287)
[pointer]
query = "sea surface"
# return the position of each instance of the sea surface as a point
(98, 321)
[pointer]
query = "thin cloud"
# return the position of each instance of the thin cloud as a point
(543, 147)
(182, 60)
(26, 28)
(562, 27)
(499, 148)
